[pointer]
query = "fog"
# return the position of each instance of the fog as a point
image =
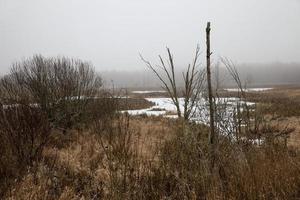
(112, 33)
(251, 74)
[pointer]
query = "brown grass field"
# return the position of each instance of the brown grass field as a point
(282, 105)
(160, 158)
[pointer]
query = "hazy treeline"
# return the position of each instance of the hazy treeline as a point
(257, 74)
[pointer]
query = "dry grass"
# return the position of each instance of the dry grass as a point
(280, 107)
(170, 161)
(122, 157)
(283, 102)
(290, 122)
(152, 132)
(79, 168)
(133, 103)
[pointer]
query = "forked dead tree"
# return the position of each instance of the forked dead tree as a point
(193, 80)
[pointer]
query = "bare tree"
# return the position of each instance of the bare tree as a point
(193, 80)
(242, 110)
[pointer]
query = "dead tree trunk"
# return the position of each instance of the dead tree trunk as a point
(212, 136)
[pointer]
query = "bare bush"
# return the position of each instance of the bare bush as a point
(193, 82)
(40, 94)
(248, 121)
(116, 138)
(61, 87)
(24, 132)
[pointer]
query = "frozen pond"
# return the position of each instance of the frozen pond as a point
(226, 109)
(166, 108)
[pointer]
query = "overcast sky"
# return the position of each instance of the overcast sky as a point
(111, 33)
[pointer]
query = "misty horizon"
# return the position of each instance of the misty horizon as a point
(253, 74)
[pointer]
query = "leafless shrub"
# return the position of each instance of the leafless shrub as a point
(40, 94)
(61, 87)
(24, 132)
(193, 82)
(248, 122)
(121, 155)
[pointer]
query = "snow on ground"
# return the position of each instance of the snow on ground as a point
(161, 107)
(165, 103)
(148, 112)
(165, 107)
(226, 109)
(248, 90)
